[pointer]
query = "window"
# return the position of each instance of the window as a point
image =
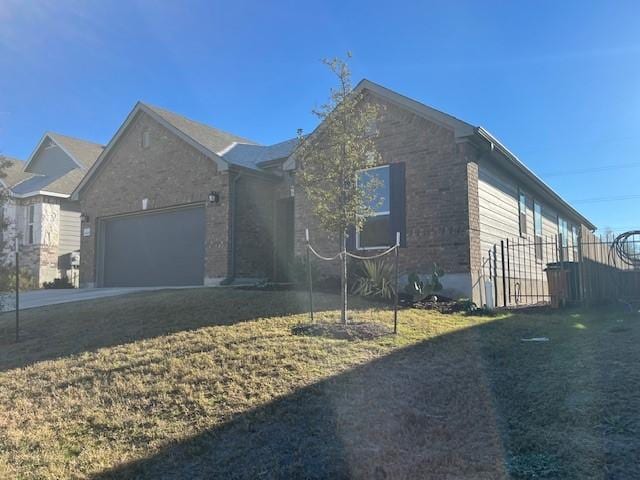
(375, 233)
(537, 228)
(522, 212)
(563, 240)
(563, 231)
(31, 213)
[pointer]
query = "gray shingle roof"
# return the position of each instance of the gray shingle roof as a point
(254, 156)
(211, 138)
(62, 184)
(15, 173)
(234, 149)
(84, 152)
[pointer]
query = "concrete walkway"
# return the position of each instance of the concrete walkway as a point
(42, 298)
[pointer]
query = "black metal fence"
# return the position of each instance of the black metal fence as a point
(583, 268)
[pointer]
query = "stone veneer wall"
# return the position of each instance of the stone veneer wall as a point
(40, 259)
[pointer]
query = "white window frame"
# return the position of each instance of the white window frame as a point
(535, 224)
(375, 214)
(30, 224)
(564, 236)
(522, 196)
(537, 233)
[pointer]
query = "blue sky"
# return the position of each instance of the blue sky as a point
(557, 82)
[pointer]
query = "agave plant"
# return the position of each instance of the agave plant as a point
(374, 278)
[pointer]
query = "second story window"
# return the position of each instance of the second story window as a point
(31, 214)
(376, 228)
(522, 213)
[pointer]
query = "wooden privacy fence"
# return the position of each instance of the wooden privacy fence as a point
(584, 268)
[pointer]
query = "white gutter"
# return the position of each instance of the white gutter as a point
(40, 192)
(494, 143)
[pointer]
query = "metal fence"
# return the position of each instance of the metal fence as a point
(583, 268)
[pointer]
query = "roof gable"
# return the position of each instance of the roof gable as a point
(211, 138)
(77, 153)
(211, 142)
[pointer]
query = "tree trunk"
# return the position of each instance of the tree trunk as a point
(343, 279)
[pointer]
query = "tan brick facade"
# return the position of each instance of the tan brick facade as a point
(168, 173)
(441, 202)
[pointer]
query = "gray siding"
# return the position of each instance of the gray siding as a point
(52, 161)
(69, 228)
(499, 214)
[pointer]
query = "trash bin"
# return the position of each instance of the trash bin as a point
(563, 282)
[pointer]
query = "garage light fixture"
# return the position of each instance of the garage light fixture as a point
(84, 218)
(214, 197)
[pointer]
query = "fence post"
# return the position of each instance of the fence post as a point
(309, 279)
(508, 271)
(495, 274)
(580, 279)
(504, 278)
(395, 304)
(17, 293)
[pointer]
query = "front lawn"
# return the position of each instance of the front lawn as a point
(100, 389)
(210, 383)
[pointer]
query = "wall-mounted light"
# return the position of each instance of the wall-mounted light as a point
(214, 197)
(84, 218)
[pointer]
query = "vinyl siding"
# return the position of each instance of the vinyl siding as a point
(69, 228)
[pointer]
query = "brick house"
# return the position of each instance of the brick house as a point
(40, 211)
(172, 201)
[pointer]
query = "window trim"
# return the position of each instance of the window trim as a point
(31, 224)
(522, 196)
(537, 235)
(374, 214)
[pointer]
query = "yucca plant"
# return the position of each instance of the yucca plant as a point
(374, 278)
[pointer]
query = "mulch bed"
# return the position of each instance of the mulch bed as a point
(350, 331)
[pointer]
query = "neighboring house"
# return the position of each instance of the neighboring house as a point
(41, 213)
(175, 202)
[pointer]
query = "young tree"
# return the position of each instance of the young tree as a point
(330, 159)
(5, 278)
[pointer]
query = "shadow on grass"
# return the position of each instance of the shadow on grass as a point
(420, 412)
(56, 331)
(463, 405)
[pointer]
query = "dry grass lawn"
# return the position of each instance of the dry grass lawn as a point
(210, 383)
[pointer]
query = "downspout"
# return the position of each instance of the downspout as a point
(231, 275)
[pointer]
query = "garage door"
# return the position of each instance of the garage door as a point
(154, 249)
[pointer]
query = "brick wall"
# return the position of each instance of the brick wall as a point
(440, 206)
(169, 172)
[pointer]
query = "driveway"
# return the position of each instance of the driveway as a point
(42, 298)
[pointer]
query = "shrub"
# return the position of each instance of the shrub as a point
(420, 289)
(8, 280)
(373, 278)
(58, 283)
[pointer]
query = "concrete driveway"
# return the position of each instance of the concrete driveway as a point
(42, 298)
